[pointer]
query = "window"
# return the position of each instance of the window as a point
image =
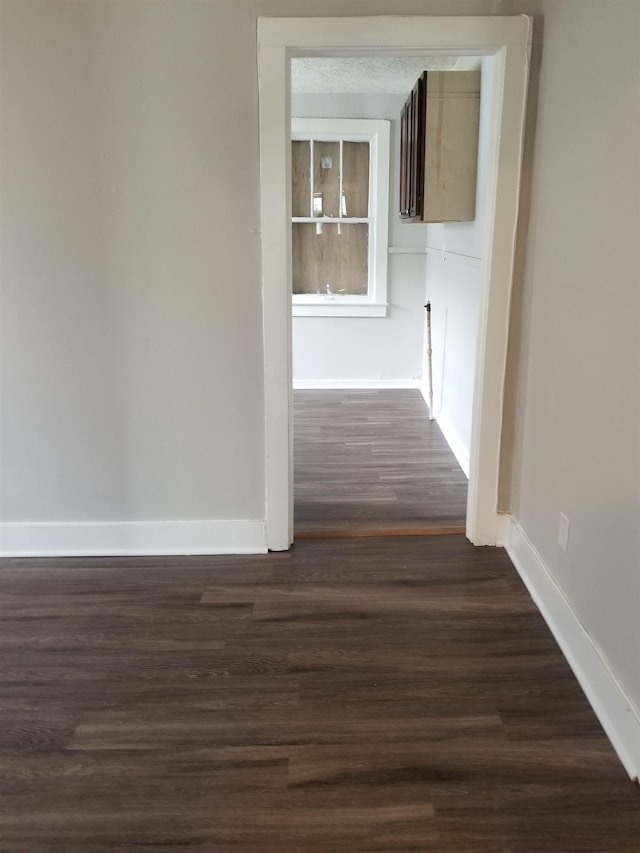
(340, 208)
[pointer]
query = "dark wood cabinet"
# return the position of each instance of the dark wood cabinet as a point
(411, 142)
(439, 147)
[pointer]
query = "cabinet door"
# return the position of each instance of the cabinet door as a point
(451, 146)
(404, 162)
(439, 148)
(412, 132)
(417, 134)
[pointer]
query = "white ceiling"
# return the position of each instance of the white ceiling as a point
(368, 74)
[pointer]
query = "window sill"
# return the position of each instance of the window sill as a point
(339, 309)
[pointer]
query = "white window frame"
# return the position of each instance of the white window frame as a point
(376, 133)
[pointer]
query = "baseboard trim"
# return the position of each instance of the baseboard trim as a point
(353, 384)
(617, 714)
(450, 435)
(132, 538)
(503, 529)
(423, 387)
(453, 440)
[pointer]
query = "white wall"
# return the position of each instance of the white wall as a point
(131, 319)
(453, 277)
(367, 350)
(131, 350)
(578, 425)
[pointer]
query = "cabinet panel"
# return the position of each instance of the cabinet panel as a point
(355, 178)
(405, 158)
(439, 148)
(451, 162)
(416, 143)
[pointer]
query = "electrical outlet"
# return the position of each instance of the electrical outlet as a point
(563, 532)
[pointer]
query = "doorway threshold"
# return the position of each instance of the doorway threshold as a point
(380, 532)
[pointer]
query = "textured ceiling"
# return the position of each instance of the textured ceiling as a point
(367, 74)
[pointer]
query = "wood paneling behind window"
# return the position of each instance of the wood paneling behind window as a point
(355, 178)
(301, 178)
(330, 258)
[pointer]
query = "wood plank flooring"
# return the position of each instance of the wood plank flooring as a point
(371, 461)
(397, 694)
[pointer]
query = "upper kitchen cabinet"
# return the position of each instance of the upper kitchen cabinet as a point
(439, 148)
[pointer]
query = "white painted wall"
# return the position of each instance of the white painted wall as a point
(131, 317)
(578, 424)
(453, 277)
(367, 350)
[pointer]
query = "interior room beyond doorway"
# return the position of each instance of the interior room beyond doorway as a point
(370, 463)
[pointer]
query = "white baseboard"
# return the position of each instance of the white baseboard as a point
(355, 384)
(617, 714)
(450, 435)
(455, 443)
(503, 529)
(423, 387)
(131, 538)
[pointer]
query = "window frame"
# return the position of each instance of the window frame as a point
(377, 133)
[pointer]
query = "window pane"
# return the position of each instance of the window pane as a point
(301, 178)
(330, 258)
(355, 178)
(326, 178)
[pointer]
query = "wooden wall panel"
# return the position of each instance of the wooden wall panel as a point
(327, 180)
(355, 178)
(300, 178)
(338, 256)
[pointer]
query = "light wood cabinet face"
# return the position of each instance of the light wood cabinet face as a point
(439, 148)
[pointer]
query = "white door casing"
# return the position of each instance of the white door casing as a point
(508, 41)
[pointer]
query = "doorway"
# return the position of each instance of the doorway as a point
(369, 462)
(367, 459)
(506, 41)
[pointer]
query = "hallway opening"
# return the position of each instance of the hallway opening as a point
(370, 463)
(505, 42)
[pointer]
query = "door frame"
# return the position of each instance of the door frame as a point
(508, 41)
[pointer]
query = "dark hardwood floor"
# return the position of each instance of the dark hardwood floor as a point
(394, 694)
(372, 461)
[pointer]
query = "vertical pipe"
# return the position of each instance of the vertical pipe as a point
(340, 189)
(429, 360)
(311, 184)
